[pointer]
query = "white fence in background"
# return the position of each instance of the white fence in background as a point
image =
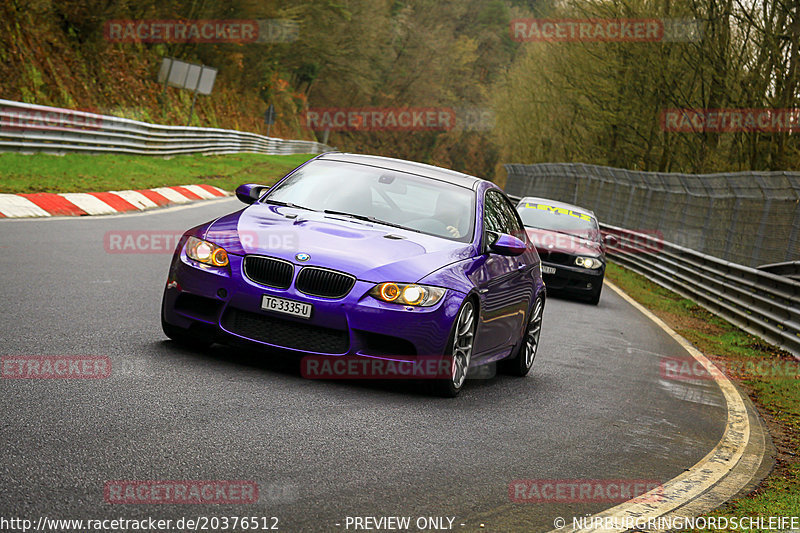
(32, 128)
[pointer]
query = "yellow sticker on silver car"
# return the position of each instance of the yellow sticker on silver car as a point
(559, 210)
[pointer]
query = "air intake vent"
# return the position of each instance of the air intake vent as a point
(285, 333)
(324, 283)
(269, 271)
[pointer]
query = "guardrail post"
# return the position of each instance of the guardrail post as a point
(790, 249)
(762, 226)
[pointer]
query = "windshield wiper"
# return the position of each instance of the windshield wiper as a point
(366, 218)
(287, 204)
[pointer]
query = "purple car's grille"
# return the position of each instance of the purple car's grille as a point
(285, 333)
(323, 282)
(269, 271)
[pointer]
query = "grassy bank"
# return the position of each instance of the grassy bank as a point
(93, 173)
(768, 375)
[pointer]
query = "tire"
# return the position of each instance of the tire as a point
(521, 363)
(185, 337)
(460, 349)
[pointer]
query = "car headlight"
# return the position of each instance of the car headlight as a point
(588, 262)
(407, 294)
(206, 252)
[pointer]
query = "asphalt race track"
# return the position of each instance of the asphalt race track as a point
(595, 406)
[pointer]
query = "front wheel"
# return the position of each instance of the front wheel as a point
(521, 364)
(594, 299)
(186, 337)
(460, 352)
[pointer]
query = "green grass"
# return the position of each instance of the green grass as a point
(95, 173)
(777, 398)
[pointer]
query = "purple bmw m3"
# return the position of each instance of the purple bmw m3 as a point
(365, 257)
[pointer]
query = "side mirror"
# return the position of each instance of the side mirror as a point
(250, 192)
(508, 245)
(609, 239)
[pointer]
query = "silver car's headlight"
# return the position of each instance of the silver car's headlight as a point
(588, 262)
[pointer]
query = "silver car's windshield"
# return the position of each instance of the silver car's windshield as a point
(557, 218)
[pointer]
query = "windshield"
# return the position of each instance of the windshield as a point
(556, 218)
(412, 202)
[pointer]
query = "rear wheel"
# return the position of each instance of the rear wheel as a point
(460, 352)
(521, 363)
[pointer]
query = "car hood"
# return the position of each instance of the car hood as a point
(554, 241)
(371, 252)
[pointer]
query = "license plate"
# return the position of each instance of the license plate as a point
(548, 270)
(287, 307)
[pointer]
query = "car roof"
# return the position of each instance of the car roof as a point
(411, 167)
(556, 203)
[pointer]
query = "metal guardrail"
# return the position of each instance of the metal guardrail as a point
(751, 218)
(764, 304)
(35, 128)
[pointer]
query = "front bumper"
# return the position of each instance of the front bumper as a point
(229, 304)
(573, 279)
